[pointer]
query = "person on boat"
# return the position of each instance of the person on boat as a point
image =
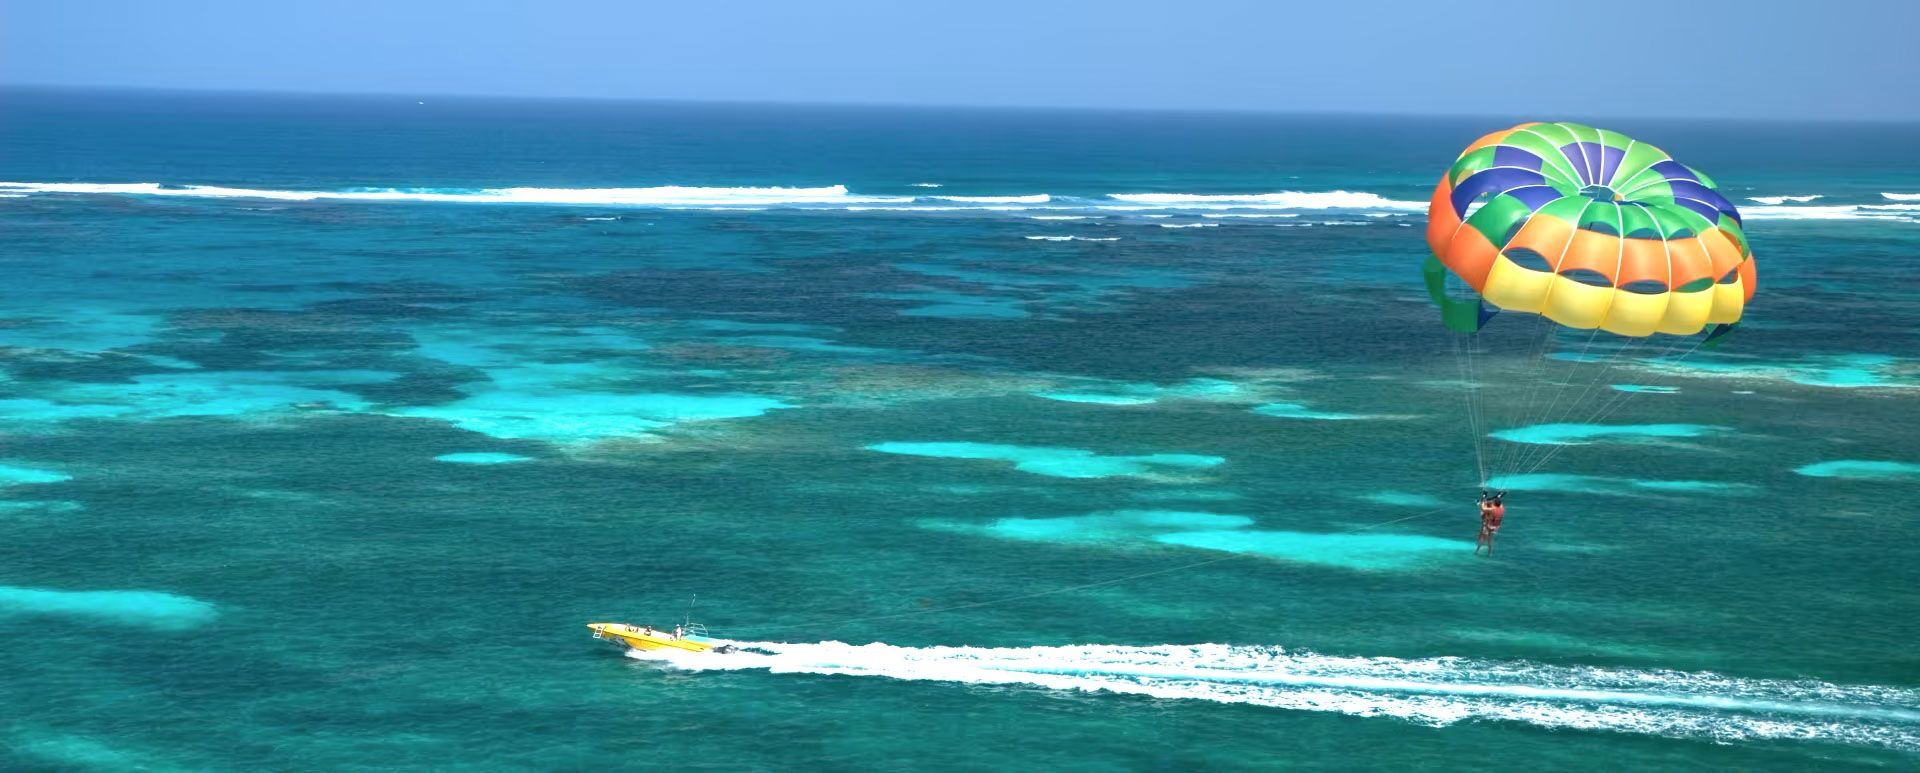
(1493, 510)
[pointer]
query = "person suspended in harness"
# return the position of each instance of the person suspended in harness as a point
(1493, 509)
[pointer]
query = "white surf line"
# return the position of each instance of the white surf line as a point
(675, 196)
(839, 198)
(657, 196)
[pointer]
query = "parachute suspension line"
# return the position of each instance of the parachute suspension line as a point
(1071, 588)
(1503, 453)
(1573, 382)
(1613, 405)
(1474, 407)
(1608, 409)
(1603, 379)
(1583, 357)
(1534, 386)
(1476, 404)
(1467, 394)
(1602, 375)
(1556, 388)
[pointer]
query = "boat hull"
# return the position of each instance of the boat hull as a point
(647, 639)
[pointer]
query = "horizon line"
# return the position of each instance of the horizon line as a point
(985, 107)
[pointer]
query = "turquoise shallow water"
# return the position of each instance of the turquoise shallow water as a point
(323, 464)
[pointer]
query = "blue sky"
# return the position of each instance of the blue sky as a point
(1834, 59)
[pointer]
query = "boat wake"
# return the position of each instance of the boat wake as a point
(1430, 691)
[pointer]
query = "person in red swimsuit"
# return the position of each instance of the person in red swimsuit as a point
(1493, 509)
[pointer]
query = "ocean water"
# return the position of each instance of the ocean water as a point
(1066, 440)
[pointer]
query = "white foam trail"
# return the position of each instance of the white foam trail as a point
(1074, 238)
(1058, 217)
(1279, 200)
(1901, 196)
(1038, 198)
(1251, 214)
(926, 185)
(659, 196)
(1776, 200)
(1431, 691)
(1188, 225)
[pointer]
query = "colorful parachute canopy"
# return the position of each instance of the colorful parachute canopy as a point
(1591, 229)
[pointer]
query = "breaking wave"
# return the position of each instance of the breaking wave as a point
(1038, 198)
(1908, 213)
(659, 196)
(1429, 691)
(1902, 207)
(1280, 200)
(677, 196)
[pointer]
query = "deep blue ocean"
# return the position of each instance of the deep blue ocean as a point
(1050, 440)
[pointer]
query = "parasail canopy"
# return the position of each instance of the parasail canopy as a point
(1590, 229)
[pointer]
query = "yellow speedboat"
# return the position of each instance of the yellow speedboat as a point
(691, 637)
